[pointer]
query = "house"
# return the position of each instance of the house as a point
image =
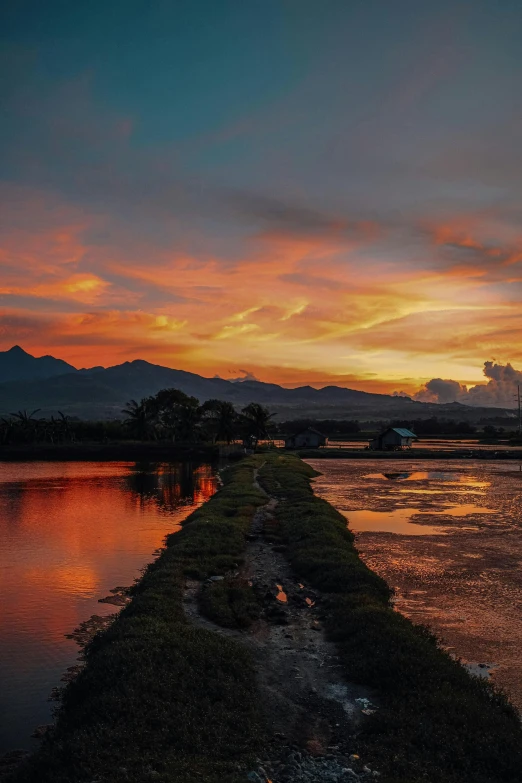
(393, 439)
(306, 439)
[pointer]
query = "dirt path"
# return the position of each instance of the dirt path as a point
(314, 714)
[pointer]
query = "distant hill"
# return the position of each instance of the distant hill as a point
(18, 365)
(97, 393)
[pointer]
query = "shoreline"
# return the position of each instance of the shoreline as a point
(180, 691)
(169, 452)
(411, 454)
(106, 452)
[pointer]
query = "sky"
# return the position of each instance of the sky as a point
(300, 191)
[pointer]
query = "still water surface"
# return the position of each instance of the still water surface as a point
(69, 533)
(447, 536)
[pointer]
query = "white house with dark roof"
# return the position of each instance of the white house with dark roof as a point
(393, 439)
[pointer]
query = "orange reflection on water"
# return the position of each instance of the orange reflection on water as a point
(69, 532)
(463, 579)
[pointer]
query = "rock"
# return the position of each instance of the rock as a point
(215, 578)
(41, 731)
(116, 600)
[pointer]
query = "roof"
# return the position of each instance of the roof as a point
(404, 433)
(308, 429)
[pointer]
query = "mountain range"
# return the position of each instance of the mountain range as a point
(53, 385)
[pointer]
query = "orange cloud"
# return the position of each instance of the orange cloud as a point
(83, 288)
(351, 302)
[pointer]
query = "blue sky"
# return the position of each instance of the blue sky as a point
(346, 173)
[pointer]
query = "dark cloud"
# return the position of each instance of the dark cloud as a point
(440, 390)
(500, 391)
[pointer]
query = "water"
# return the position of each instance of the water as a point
(69, 533)
(447, 536)
(434, 444)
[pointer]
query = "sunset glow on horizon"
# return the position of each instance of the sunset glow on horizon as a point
(301, 193)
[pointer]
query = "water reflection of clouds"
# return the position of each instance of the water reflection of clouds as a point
(450, 478)
(69, 532)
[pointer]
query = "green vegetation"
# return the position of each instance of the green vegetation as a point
(230, 603)
(160, 699)
(169, 416)
(173, 415)
(435, 722)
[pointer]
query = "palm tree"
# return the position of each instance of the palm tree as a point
(63, 427)
(25, 417)
(27, 424)
(256, 419)
(141, 418)
(188, 419)
(222, 419)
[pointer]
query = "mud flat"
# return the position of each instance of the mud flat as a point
(259, 647)
(448, 538)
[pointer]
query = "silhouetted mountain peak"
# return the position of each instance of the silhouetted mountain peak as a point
(16, 350)
(53, 385)
(18, 365)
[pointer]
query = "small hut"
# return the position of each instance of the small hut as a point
(393, 439)
(306, 439)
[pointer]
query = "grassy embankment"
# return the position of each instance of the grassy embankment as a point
(161, 700)
(435, 722)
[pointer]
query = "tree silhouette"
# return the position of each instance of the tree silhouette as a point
(177, 413)
(26, 425)
(256, 420)
(141, 418)
(221, 420)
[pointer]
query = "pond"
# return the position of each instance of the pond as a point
(447, 536)
(69, 533)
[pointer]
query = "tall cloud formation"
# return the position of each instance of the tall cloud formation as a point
(500, 391)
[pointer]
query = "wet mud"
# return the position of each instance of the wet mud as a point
(463, 576)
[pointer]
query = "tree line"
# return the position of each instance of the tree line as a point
(172, 414)
(168, 415)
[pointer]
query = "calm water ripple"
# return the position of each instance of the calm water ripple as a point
(69, 533)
